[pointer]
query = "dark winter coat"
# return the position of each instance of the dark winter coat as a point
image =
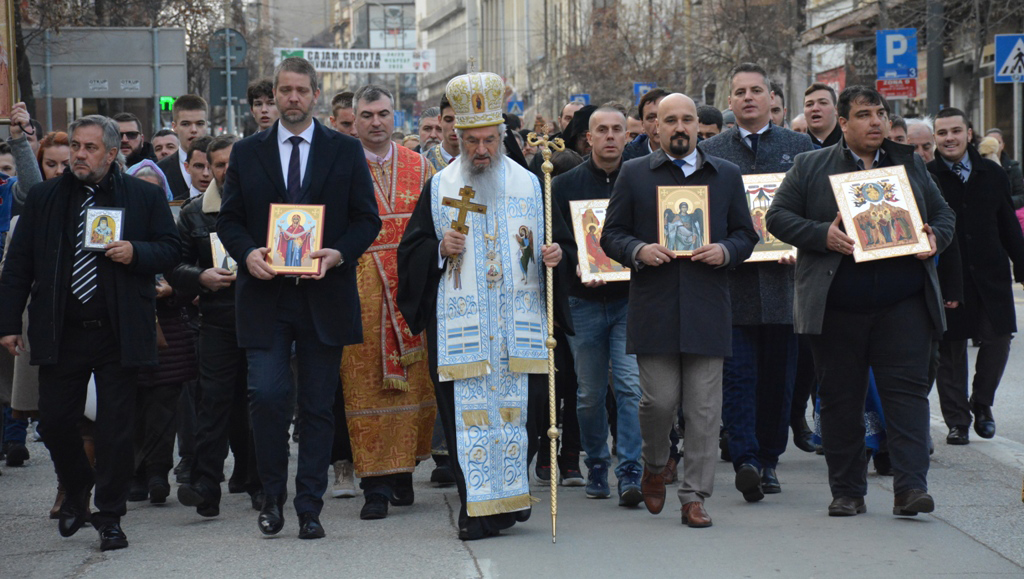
(40, 258)
(762, 292)
(990, 238)
(682, 306)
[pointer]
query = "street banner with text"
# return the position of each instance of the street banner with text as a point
(379, 61)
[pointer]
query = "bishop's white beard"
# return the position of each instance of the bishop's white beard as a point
(485, 181)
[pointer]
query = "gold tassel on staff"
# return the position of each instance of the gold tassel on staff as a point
(545, 147)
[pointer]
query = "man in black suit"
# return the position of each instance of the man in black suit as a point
(679, 321)
(989, 235)
(296, 161)
(189, 123)
(855, 321)
(92, 313)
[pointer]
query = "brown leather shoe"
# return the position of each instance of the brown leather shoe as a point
(671, 473)
(695, 516)
(652, 485)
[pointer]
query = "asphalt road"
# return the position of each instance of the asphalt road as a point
(977, 529)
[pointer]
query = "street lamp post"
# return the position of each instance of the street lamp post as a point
(398, 76)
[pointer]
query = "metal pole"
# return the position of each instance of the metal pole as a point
(545, 146)
(49, 81)
(1018, 121)
(227, 71)
(156, 80)
(936, 79)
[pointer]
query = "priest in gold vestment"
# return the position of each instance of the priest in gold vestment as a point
(389, 396)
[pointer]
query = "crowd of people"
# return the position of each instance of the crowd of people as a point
(419, 333)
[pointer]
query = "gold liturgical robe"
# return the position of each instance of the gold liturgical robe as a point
(389, 397)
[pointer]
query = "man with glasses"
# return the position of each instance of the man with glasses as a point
(133, 142)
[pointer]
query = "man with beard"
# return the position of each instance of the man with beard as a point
(679, 341)
(491, 339)
(98, 319)
(446, 152)
(389, 402)
(133, 142)
(430, 130)
(300, 161)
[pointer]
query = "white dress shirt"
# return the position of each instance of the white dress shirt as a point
(284, 147)
(745, 134)
(689, 162)
(182, 159)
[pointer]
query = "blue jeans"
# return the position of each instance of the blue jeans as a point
(601, 339)
(14, 431)
(270, 384)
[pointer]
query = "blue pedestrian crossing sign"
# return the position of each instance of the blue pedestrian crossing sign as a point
(642, 88)
(1009, 63)
(897, 53)
(516, 108)
(582, 98)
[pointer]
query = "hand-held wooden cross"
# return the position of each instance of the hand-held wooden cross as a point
(545, 146)
(465, 205)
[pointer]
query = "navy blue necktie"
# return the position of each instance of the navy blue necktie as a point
(294, 171)
(753, 141)
(680, 163)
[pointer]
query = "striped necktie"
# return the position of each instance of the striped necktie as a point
(961, 171)
(83, 275)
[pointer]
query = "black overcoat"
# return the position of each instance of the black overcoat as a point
(990, 239)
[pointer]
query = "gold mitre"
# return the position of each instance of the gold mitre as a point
(476, 99)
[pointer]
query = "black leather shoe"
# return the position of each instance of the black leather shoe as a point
(376, 507)
(74, 512)
(112, 537)
(192, 495)
(958, 436)
(883, 463)
(159, 490)
(310, 527)
(803, 438)
(271, 517)
(847, 507)
(402, 495)
(748, 482)
(984, 422)
(769, 482)
(138, 491)
(17, 453)
(256, 497)
(912, 502)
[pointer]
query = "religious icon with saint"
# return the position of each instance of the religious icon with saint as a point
(760, 191)
(102, 226)
(683, 219)
(293, 233)
(587, 223)
(880, 214)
